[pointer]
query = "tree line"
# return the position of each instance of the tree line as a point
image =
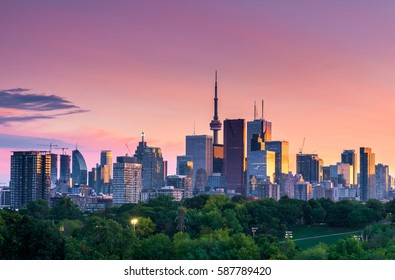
(202, 227)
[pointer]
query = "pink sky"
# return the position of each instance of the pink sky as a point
(324, 70)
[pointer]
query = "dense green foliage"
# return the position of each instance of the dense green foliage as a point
(202, 227)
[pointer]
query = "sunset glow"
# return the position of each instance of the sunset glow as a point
(325, 71)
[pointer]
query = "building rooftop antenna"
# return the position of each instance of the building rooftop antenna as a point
(254, 110)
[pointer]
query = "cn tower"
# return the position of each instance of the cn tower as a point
(215, 124)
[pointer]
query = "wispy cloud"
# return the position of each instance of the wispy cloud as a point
(23, 102)
(11, 141)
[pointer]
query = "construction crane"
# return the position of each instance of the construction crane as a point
(127, 147)
(63, 149)
(301, 148)
(50, 146)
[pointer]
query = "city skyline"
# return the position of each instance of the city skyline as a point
(109, 72)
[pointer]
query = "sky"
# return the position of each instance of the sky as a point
(97, 73)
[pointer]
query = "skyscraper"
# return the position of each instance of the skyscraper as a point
(64, 176)
(80, 171)
(350, 157)
(341, 173)
(260, 170)
(127, 183)
(200, 148)
(152, 164)
(367, 174)
(281, 148)
(30, 177)
(382, 181)
(185, 166)
(54, 169)
(215, 124)
(261, 128)
(234, 158)
(218, 158)
(310, 166)
(106, 159)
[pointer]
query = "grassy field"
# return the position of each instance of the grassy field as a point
(309, 236)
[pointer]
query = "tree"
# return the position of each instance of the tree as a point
(269, 248)
(241, 247)
(346, 249)
(156, 247)
(65, 209)
(378, 209)
(318, 213)
(145, 227)
(102, 239)
(319, 252)
(196, 202)
(339, 213)
(38, 209)
(27, 238)
(289, 249)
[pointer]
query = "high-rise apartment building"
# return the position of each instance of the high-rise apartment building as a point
(310, 166)
(127, 181)
(80, 171)
(181, 182)
(234, 157)
(367, 174)
(30, 177)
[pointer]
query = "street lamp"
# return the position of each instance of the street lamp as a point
(254, 229)
(134, 222)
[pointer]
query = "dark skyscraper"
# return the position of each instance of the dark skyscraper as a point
(234, 158)
(153, 166)
(350, 157)
(258, 130)
(310, 166)
(218, 158)
(54, 169)
(367, 174)
(215, 124)
(30, 177)
(80, 171)
(64, 176)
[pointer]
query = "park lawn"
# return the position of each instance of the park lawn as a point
(319, 230)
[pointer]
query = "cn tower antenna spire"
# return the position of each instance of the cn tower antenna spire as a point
(215, 124)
